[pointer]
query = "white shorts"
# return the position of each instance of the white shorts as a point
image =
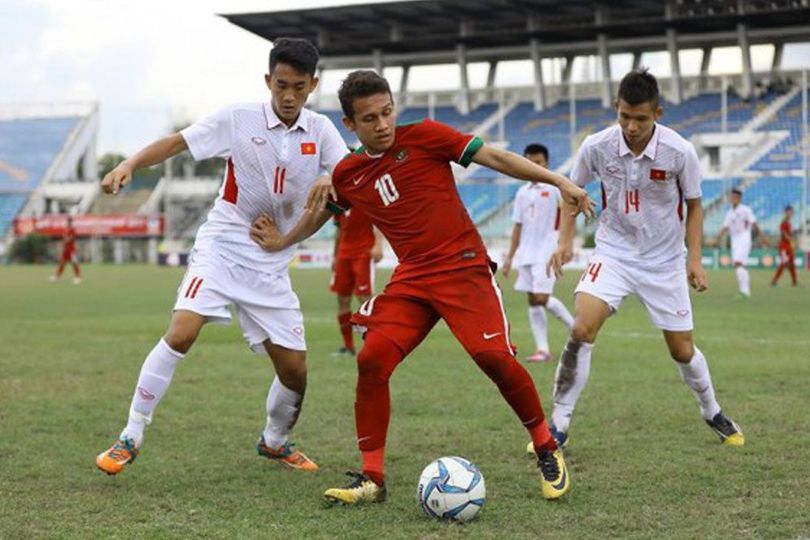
(532, 278)
(665, 293)
(740, 249)
(266, 306)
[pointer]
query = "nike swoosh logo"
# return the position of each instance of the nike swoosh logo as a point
(358, 180)
(561, 483)
(490, 336)
(361, 439)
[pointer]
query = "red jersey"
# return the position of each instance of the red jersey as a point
(786, 235)
(69, 240)
(356, 234)
(410, 195)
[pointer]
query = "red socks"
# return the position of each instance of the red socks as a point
(344, 321)
(517, 388)
(372, 407)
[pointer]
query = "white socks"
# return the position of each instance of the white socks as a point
(696, 376)
(283, 406)
(559, 310)
(743, 280)
(154, 380)
(539, 323)
(570, 379)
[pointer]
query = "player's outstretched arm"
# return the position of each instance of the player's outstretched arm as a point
(694, 243)
(264, 231)
(565, 243)
(155, 153)
(519, 167)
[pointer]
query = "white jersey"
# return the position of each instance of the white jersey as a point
(270, 169)
(739, 222)
(642, 196)
(537, 210)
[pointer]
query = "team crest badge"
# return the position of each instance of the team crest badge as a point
(401, 155)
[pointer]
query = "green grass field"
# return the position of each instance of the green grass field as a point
(644, 464)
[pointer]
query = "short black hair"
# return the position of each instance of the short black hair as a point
(535, 148)
(639, 86)
(299, 54)
(788, 207)
(359, 84)
(736, 191)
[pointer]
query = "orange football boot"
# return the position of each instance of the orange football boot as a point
(112, 460)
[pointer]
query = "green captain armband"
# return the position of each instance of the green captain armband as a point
(472, 147)
(334, 208)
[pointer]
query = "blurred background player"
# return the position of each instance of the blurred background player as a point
(402, 179)
(787, 256)
(536, 214)
(358, 247)
(68, 254)
(739, 223)
(646, 170)
(274, 152)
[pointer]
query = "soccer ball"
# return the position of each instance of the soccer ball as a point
(451, 488)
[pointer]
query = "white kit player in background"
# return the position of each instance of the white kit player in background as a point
(274, 153)
(646, 170)
(536, 214)
(739, 223)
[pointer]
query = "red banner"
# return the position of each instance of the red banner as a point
(92, 225)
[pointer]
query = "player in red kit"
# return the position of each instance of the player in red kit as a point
(402, 179)
(787, 257)
(68, 254)
(358, 247)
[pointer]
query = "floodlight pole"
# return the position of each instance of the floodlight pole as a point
(805, 159)
(724, 106)
(572, 116)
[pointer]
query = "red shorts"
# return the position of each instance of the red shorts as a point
(468, 299)
(786, 254)
(68, 255)
(353, 276)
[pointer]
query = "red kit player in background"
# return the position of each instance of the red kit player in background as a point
(402, 179)
(358, 247)
(68, 254)
(787, 257)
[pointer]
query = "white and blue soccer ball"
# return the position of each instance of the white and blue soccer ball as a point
(451, 488)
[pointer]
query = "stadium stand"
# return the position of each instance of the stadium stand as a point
(28, 147)
(787, 154)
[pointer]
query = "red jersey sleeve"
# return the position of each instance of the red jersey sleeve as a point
(339, 176)
(447, 143)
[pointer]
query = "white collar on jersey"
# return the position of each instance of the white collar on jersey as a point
(274, 121)
(649, 150)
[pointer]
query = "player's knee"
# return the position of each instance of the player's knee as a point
(682, 353)
(538, 299)
(293, 375)
(583, 332)
(497, 365)
(181, 337)
(376, 361)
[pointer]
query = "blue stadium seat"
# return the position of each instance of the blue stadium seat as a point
(28, 147)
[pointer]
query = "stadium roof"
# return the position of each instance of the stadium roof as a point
(413, 31)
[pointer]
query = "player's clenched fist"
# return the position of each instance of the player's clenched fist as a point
(117, 178)
(264, 232)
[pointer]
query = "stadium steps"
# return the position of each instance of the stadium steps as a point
(770, 112)
(482, 130)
